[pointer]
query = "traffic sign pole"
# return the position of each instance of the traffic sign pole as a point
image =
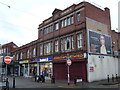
(68, 76)
(69, 62)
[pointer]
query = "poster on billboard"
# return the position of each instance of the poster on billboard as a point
(99, 43)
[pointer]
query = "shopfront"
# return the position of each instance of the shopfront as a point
(77, 69)
(45, 67)
(24, 68)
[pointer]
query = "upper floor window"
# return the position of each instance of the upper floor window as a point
(56, 46)
(41, 50)
(48, 48)
(65, 22)
(34, 52)
(78, 17)
(21, 55)
(68, 21)
(28, 53)
(79, 40)
(67, 43)
(62, 45)
(56, 26)
(72, 20)
(17, 57)
(48, 29)
(0, 51)
(72, 42)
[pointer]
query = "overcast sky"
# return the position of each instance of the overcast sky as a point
(19, 22)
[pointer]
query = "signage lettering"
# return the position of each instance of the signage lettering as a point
(71, 56)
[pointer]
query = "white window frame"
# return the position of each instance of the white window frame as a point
(79, 40)
(28, 53)
(56, 45)
(62, 44)
(65, 22)
(67, 39)
(56, 26)
(41, 50)
(72, 42)
(68, 21)
(17, 56)
(34, 52)
(78, 17)
(72, 20)
(21, 55)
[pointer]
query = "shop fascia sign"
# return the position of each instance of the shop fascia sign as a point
(44, 59)
(73, 56)
(25, 61)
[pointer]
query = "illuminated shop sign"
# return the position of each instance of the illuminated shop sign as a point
(44, 59)
(74, 56)
(99, 43)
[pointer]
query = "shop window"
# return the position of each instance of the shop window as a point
(46, 69)
(79, 40)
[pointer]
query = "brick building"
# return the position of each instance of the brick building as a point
(73, 33)
(5, 50)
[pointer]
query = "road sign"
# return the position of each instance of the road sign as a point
(69, 62)
(7, 59)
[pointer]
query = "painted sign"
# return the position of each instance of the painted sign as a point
(44, 59)
(99, 43)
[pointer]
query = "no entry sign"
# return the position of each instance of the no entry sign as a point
(69, 62)
(7, 59)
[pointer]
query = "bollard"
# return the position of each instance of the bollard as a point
(112, 78)
(7, 84)
(75, 81)
(14, 82)
(53, 79)
(116, 78)
(108, 78)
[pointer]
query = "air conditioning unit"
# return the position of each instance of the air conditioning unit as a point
(115, 53)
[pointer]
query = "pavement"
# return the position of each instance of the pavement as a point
(22, 82)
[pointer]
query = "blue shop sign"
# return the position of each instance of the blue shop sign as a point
(44, 59)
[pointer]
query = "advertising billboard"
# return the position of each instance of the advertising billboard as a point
(99, 43)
